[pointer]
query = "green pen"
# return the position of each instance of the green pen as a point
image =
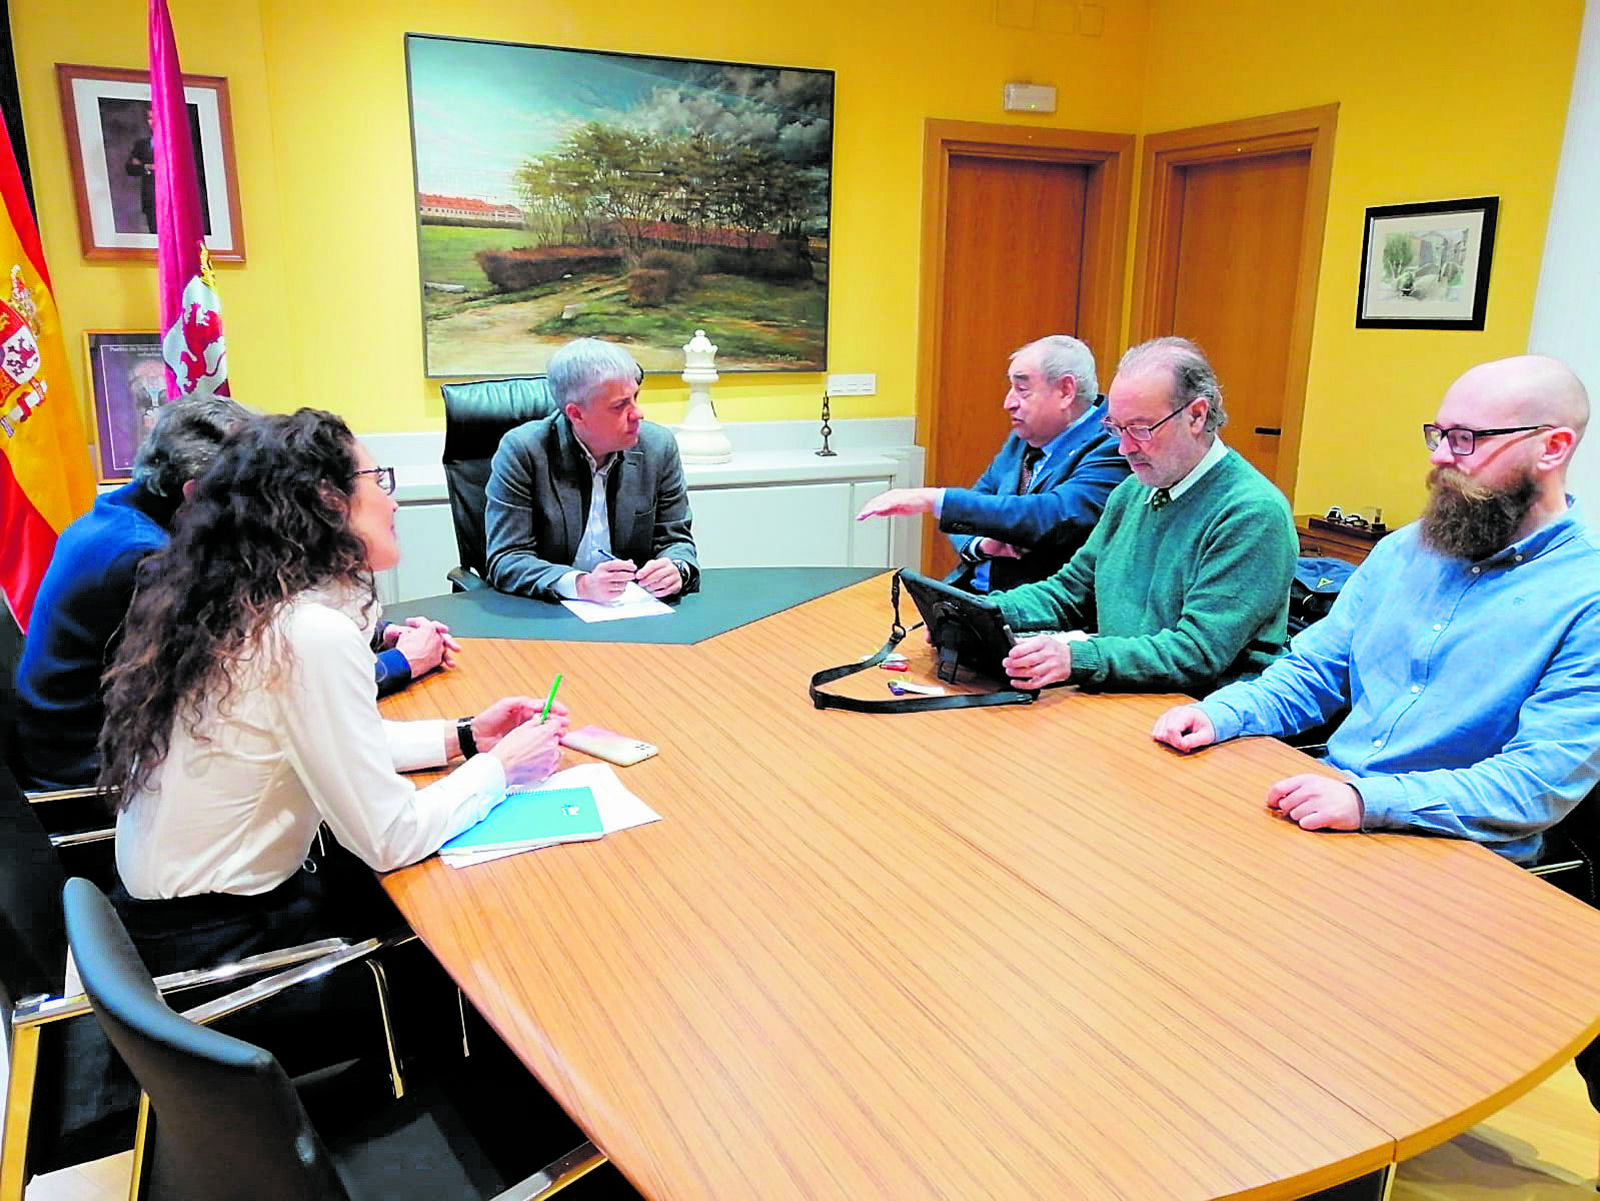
(551, 699)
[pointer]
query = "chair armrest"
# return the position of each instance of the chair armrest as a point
(554, 1177)
(50, 796)
(44, 796)
(1555, 867)
(464, 580)
(37, 1010)
(82, 837)
(261, 990)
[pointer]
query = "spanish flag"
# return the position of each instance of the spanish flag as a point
(46, 480)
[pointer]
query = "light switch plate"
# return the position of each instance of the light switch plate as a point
(853, 385)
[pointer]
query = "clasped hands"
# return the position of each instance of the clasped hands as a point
(1311, 800)
(425, 643)
(658, 577)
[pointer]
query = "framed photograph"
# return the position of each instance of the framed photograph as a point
(1426, 266)
(562, 193)
(128, 383)
(107, 115)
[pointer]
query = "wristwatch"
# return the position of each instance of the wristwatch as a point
(464, 736)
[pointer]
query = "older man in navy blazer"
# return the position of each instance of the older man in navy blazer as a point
(592, 497)
(1046, 488)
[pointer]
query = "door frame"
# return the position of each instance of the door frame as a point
(1156, 258)
(1107, 204)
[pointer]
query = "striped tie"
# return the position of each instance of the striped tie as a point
(1030, 460)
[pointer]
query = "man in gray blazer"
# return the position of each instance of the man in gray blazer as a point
(587, 499)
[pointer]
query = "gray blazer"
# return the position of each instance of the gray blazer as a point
(537, 504)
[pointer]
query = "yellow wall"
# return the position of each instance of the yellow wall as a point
(326, 310)
(1438, 98)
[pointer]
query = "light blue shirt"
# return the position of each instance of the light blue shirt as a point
(1474, 688)
(594, 547)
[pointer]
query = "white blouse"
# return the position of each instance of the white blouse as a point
(235, 810)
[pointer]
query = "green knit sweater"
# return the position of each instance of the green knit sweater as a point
(1189, 596)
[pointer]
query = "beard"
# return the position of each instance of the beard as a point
(1467, 520)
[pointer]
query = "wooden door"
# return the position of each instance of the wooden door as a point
(1238, 261)
(1230, 245)
(1024, 231)
(1012, 273)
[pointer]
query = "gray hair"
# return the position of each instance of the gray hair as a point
(1061, 355)
(580, 368)
(187, 435)
(1193, 377)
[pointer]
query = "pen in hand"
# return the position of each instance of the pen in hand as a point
(551, 699)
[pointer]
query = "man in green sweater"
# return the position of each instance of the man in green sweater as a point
(1184, 583)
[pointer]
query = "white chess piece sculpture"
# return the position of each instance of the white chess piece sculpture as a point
(700, 437)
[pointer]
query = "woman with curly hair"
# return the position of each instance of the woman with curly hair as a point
(240, 709)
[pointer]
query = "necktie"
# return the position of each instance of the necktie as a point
(1160, 498)
(1030, 460)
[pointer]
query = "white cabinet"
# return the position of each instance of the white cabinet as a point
(788, 525)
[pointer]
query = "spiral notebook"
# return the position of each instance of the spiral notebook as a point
(530, 818)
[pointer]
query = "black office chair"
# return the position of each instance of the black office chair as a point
(476, 416)
(68, 1101)
(77, 819)
(227, 1124)
(1571, 849)
(54, 1062)
(1567, 860)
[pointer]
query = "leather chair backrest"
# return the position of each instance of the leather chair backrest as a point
(1576, 838)
(10, 658)
(33, 942)
(476, 416)
(229, 1125)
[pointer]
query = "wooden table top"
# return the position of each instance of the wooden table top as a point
(1012, 952)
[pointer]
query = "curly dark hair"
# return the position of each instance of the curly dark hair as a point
(268, 520)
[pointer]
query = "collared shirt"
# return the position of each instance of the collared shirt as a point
(1474, 687)
(235, 808)
(980, 574)
(594, 547)
(1210, 459)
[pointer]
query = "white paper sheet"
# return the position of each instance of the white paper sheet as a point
(619, 808)
(634, 602)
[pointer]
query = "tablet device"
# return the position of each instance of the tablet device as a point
(966, 630)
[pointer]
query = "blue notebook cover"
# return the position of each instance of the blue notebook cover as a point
(529, 818)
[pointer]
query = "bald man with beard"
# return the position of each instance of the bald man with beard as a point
(1466, 647)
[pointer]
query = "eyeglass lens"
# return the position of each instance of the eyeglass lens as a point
(382, 476)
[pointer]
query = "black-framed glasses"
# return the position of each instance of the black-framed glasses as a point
(1139, 433)
(382, 476)
(1464, 441)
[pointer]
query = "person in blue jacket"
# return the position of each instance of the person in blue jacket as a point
(86, 590)
(1045, 490)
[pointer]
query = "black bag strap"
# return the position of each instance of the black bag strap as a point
(903, 704)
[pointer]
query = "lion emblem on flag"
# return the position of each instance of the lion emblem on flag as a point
(20, 391)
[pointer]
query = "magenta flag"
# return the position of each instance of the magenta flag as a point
(191, 310)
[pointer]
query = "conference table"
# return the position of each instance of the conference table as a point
(1013, 952)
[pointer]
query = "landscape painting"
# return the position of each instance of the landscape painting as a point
(1426, 266)
(566, 193)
